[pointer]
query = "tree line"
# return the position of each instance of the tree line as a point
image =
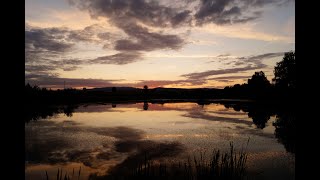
(282, 87)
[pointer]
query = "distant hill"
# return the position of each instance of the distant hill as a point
(109, 89)
(182, 89)
(158, 89)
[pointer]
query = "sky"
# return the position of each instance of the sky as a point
(164, 43)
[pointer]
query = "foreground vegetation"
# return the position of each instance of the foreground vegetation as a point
(221, 166)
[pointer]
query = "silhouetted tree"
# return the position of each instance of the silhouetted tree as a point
(258, 81)
(145, 89)
(285, 71)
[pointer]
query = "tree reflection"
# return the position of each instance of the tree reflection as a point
(259, 114)
(145, 106)
(284, 123)
(33, 113)
(285, 130)
(259, 117)
(68, 110)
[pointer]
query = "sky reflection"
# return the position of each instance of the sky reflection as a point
(102, 138)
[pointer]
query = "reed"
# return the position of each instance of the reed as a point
(218, 165)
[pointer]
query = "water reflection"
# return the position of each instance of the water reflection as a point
(258, 114)
(145, 106)
(79, 138)
(284, 125)
(286, 130)
(43, 112)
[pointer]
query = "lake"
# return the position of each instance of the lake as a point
(104, 138)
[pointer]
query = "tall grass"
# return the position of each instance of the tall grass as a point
(228, 165)
(60, 176)
(218, 166)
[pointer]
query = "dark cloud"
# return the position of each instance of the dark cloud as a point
(61, 39)
(157, 14)
(47, 65)
(127, 15)
(262, 56)
(145, 40)
(47, 39)
(250, 62)
(229, 77)
(39, 68)
(224, 80)
(119, 58)
(44, 46)
(214, 11)
(202, 75)
(57, 82)
(231, 11)
(151, 12)
(93, 33)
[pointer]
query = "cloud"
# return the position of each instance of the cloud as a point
(44, 48)
(46, 39)
(145, 40)
(157, 14)
(134, 17)
(48, 65)
(151, 13)
(61, 39)
(53, 81)
(250, 62)
(39, 68)
(202, 75)
(263, 56)
(229, 77)
(119, 58)
(223, 12)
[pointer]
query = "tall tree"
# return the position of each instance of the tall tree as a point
(258, 81)
(285, 71)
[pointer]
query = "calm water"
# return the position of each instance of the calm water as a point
(99, 137)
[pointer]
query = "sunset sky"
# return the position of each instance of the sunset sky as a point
(165, 43)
